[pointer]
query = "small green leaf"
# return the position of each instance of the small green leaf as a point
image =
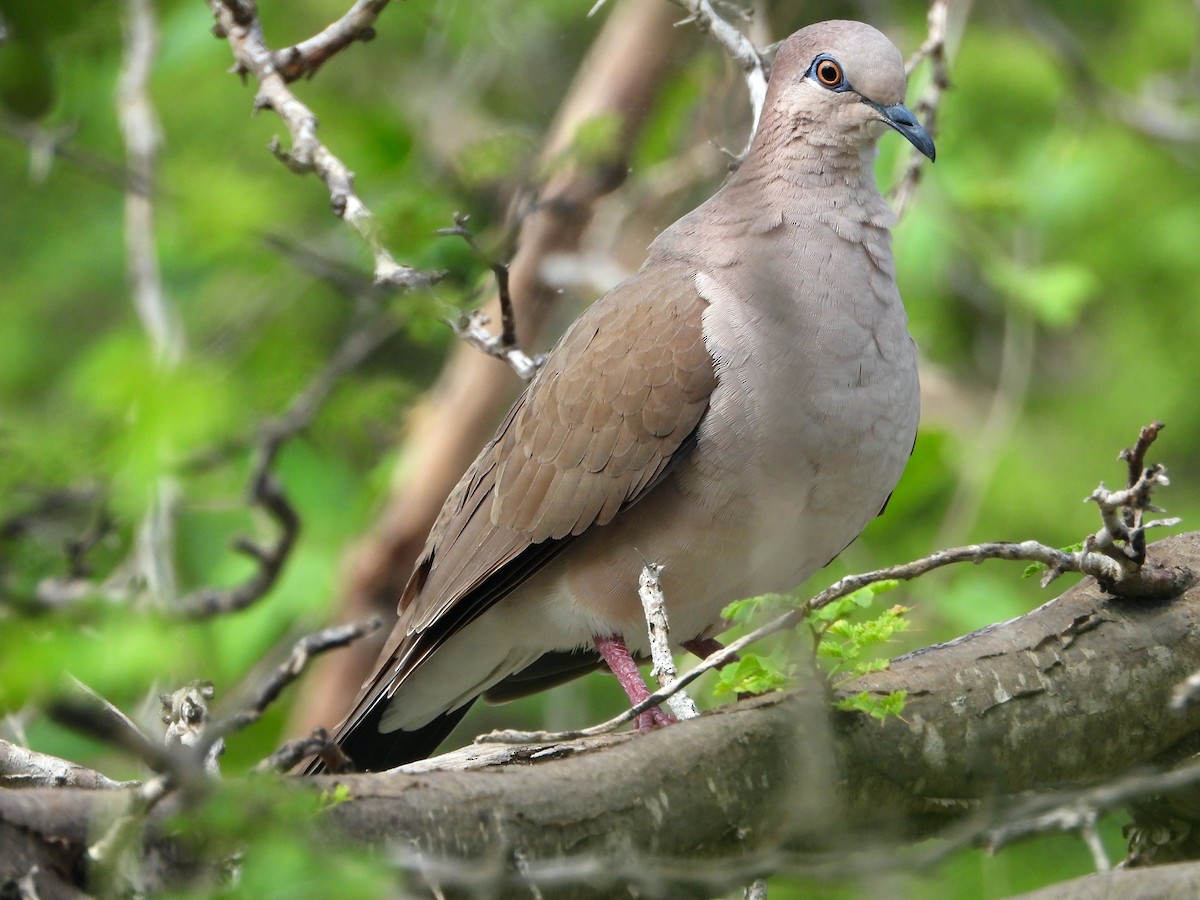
(330, 799)
(742, 611)
(870, 665)
(750, 675)
(875, 705)
(863, 598)
(1035, 567)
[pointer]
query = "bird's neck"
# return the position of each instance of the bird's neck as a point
(795, 183)
(792, 151)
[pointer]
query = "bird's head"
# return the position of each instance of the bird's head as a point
(843, 82)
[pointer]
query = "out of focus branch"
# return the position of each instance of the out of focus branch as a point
(139, 127)
(933, 48)
(302, 60)
(265, 490)
(471, 328)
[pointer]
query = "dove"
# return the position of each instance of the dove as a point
(736, 412)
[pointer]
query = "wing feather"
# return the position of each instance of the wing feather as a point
(601, 423)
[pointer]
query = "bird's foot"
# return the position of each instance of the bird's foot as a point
(653, 718)
(622, 665)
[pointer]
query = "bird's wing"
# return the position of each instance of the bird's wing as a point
(602, 422)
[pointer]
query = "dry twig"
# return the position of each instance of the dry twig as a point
(265, 490)
(302, 60)
(302, 651)
(238, 23)
(933, 48)
(654, 606)
(471, 327)
(740, 49)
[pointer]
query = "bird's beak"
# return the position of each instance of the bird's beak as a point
(900, 117)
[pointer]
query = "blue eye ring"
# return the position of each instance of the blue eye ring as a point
(827, 72)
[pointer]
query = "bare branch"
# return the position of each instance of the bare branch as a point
(237, 22)
(1114, 570)
(24, 768)
(319, 743)
(302, 60)
(185, 713)
(740, 49)
(139, 127)
(654, 606)
(933, 48)
(302, 651)
(471, 327)
(48, 144)
(265, 490)
(93, 715)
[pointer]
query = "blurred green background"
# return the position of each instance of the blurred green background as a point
(1050, 264)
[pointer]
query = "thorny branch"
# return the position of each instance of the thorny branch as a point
(1105, 555)
(471, 327)
(237, 22)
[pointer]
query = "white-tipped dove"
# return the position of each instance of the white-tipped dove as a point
(737, 411)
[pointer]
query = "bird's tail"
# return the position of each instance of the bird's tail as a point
(374, 751)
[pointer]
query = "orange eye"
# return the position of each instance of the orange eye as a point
(829, 73)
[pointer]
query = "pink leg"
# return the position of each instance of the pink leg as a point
(616, 655)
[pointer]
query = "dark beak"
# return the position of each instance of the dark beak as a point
(901, 118)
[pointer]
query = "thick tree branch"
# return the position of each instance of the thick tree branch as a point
(1070, 695)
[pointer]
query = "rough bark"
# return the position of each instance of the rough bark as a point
(1076, 692)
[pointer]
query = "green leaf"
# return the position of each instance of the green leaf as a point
(1056, 293)
(751, 674)
(1035, 567)
(742, 611)
(863, 598)
(878, 706)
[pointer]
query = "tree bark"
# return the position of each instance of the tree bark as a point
(1074, 693)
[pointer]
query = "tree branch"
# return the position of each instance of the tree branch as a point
(991, 717)
(237, 22)
(302, 60)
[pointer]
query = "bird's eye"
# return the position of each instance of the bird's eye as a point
(828, 72)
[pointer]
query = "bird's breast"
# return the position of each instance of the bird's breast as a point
(813, 417)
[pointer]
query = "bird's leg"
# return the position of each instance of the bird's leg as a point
(622, 665)
(706, 647)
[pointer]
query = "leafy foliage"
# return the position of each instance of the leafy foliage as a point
(843, 636)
